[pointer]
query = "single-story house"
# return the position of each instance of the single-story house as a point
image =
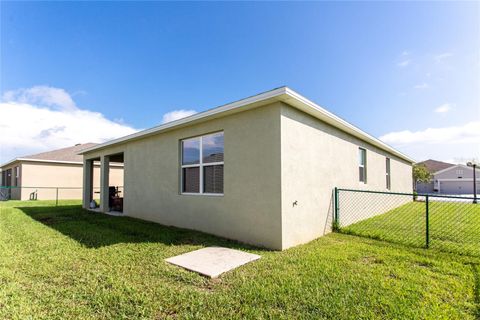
(38, 176)
(260, 170)
(447, 178)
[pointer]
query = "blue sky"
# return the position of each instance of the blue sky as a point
(395, 70)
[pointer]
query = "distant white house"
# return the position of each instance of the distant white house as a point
(42, 173)
(449, 178)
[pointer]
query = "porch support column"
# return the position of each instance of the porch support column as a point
(104, 183)
(87, 183)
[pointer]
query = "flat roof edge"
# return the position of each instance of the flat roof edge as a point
(9, 162)
(345, 126)
(283, 94)
(198, 116)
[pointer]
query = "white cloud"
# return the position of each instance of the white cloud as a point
(177, 114)
(468, 132)
(438, 143)
(42, 118)
(441, 57)
(54, 98)
(404, 63)
(422, 86)
(444, 108)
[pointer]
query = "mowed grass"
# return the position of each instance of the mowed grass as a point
(66, 263)
(453, 226)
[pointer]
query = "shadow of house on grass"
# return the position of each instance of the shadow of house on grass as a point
(95, 230)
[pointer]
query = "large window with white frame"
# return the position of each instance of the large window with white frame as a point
(202, 164)
(362, 165)
(387, 173)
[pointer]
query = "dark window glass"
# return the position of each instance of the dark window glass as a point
(361, 156)
(387, 164)
(212, 148)
(191, 180)
(362, 165)
(361, 174)
(213, 179)
(191, 151)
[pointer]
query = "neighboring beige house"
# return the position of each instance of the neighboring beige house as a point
(450, 179)
(260, 170)
(40, 175)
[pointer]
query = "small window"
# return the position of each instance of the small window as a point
(202, 164)
(387, 173)
(362, 165)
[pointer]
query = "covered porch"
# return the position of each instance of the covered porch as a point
(111, 196)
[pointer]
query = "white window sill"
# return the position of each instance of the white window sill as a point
(202, 194)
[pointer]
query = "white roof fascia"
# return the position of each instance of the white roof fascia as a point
(263, 97)
(328, 117)
(8, 163)
(281, 94)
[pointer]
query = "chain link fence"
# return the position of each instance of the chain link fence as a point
(448, 223)
(47, 193)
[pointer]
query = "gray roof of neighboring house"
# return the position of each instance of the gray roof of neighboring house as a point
(434, 165)
(64, 154)
(69, 154)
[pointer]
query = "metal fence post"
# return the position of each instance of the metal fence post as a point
(336, 222)
(427, 224)
(56, 199)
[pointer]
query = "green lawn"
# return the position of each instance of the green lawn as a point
(453, 226)
(66, 263)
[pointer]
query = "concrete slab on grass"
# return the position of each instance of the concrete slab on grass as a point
(212, 261)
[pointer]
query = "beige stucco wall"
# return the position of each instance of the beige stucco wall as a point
(49, 176)
(317, 157)
(275, 156)
(249, 210)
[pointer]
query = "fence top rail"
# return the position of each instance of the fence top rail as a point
(20, 187)
(408, 194)
(27, 187)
